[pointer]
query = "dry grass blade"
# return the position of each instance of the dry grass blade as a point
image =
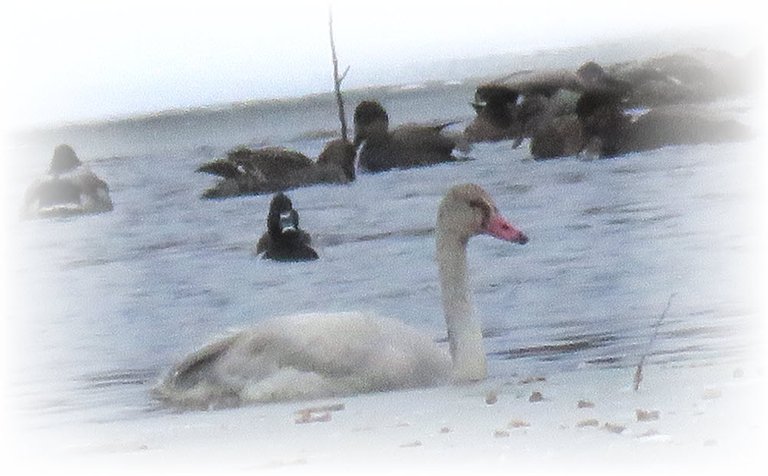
(639, 371)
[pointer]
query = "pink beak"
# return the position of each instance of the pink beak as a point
(500, 228)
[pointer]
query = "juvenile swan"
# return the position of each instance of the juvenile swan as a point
(324, 355)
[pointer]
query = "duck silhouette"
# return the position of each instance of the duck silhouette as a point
(516, 106)
(247, 171)
(602, 127)
(284, 240)
(69, 188)
(406, 146)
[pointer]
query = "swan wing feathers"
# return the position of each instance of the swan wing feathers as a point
(307, 356)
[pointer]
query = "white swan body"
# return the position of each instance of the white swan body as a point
(326, 355)
(308, 356)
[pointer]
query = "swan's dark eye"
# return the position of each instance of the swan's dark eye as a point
(484, 208)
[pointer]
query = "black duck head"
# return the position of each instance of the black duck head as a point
(64, 159)
(496, 102)
(370, 120)
(282, 218)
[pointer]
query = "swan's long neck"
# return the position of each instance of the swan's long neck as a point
(464, 332)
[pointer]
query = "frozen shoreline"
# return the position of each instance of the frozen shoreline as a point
(710, 420)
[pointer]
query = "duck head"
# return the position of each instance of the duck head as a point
(64, 159)
(602, 117)
(496, 102)
(371, 120)
(282, 220)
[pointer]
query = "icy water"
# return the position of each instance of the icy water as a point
(102, 305)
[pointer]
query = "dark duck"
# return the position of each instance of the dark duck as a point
(516, 106)
(595, 110)
(69, 188)
(406, 146)
(284, 240)
(247, 171)
(609, 130)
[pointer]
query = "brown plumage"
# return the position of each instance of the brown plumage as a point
(406, 146)
(272, 169)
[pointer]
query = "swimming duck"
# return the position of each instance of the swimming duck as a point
(267, 170)
(602, 127)
(284, 240)
(687, 77)
(406, 146)
(516, 106)
(69, 188)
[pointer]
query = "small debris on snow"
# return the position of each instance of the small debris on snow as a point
(518, 424)
(491, 398)
(614, 428)
(585, 404)
(317, 414)
(646, 415)
(412, 444)
(588, 422)
(711, 394)
(310, 417)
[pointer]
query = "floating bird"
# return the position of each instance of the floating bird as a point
(329, 355)
(406, 146)
(271, 169)
(69, 188)
(284, 240)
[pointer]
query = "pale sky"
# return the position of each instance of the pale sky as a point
(81, 60)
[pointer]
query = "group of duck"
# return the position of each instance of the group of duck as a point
(605, 112)
(593, 112)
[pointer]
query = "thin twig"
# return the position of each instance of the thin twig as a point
(639, 370)
(337, 79)
(344, 75)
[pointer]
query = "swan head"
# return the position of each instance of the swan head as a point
(282, 220)
(64, 159)
(468, 210)
(371, 120)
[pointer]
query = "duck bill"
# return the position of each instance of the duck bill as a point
(498, 227)
(288, 222)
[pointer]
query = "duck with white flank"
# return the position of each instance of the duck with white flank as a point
(406, 146)
(69, 188)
